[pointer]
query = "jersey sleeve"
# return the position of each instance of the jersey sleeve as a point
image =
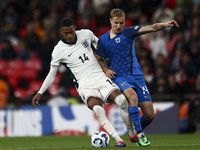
(100, 49)
(132, 32)
(48, 80)
(55, 59)
(94, 39)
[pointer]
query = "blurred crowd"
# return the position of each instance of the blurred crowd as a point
(170, 59)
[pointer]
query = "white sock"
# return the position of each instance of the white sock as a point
(101, 115)
(121, 101)
(134, 131)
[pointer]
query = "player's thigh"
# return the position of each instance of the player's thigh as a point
(141, 89)
(130, 93)
(131, 96)
(86, 93)
(147, 110)
(123, 82)
(108, 89)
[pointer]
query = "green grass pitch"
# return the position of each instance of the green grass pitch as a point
(158, 142)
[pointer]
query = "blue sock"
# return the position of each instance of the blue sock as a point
(144, 122)
(135, 117)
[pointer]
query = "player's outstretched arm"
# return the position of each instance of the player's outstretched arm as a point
(46, 84)
(170, 24)
(157, 27)
(36, 99)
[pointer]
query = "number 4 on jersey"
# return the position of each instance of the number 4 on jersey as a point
(84, 58)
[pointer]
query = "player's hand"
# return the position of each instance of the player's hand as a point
(36, 99)
(110, 74)
(171, 24)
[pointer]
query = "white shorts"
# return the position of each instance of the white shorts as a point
(99, 87)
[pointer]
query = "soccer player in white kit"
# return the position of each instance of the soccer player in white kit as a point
(75, 53)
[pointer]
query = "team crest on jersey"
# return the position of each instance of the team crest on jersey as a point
(117, 40)
(123, 84)
(85, 44)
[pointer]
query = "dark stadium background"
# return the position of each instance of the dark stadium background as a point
(29, 32)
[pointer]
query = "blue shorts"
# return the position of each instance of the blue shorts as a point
(135, 82)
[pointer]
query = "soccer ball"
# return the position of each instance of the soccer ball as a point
(100, 139)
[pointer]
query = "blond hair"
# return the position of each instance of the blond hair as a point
(116, 12)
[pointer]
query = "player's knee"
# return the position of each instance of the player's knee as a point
(121, 101)
(133, 100)
(91, 102)
(150, 117)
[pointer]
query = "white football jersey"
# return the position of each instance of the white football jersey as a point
(78, 57)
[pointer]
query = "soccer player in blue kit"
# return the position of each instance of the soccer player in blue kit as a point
(117, 45)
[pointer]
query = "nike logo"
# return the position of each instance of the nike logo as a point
(146, 96)
(70, 54)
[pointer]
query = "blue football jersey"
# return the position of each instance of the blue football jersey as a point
(121, 51)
